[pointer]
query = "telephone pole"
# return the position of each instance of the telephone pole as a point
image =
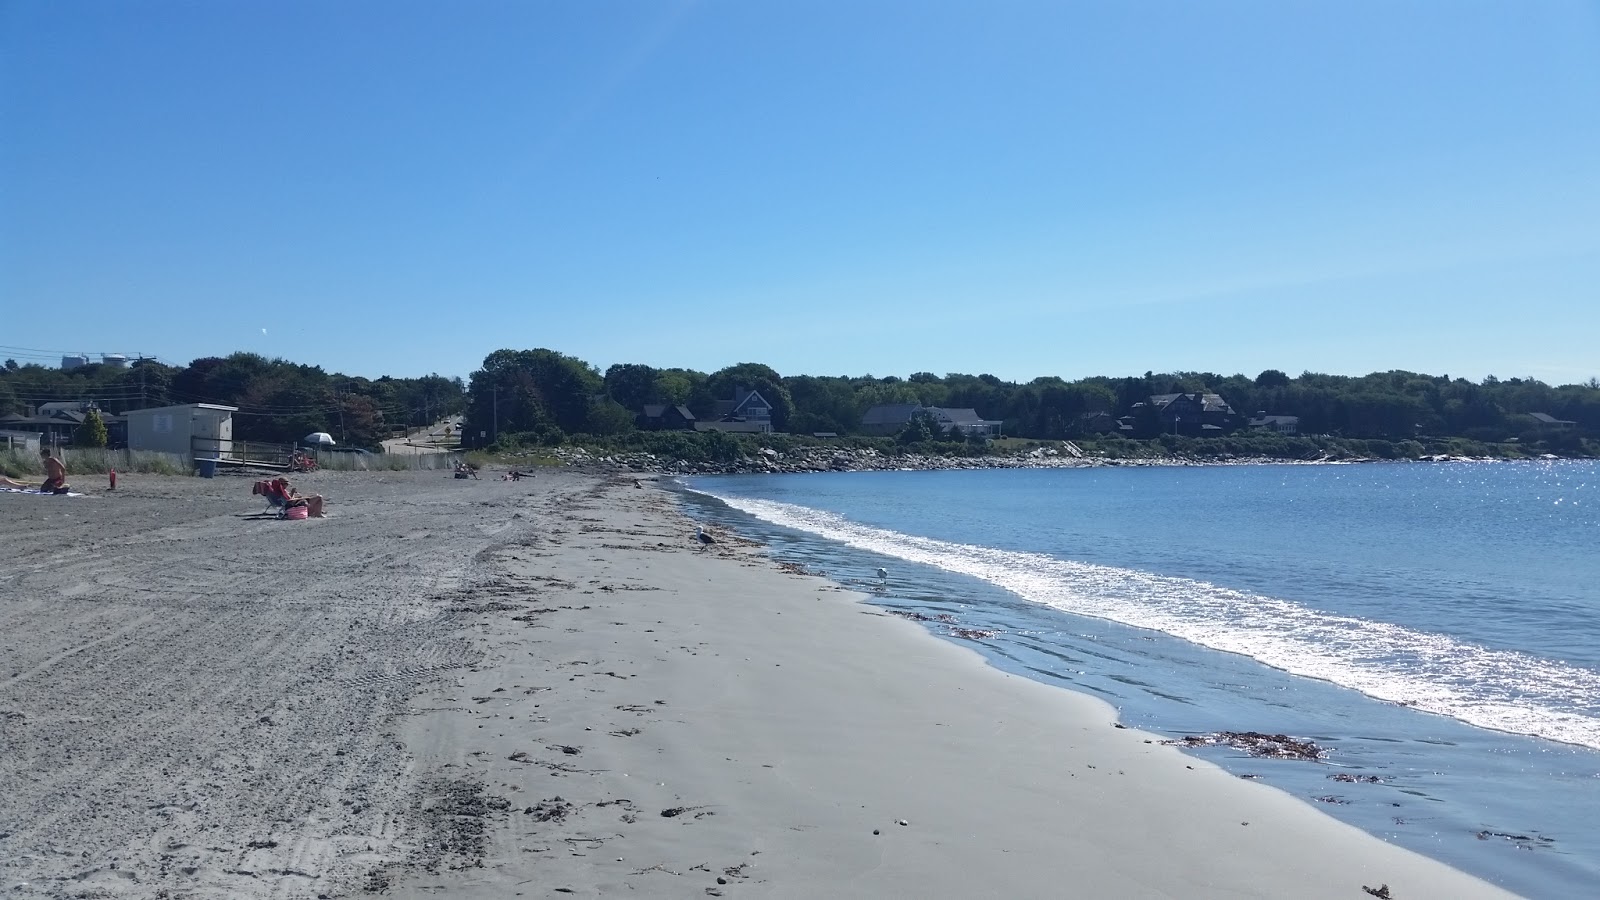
(495, 435)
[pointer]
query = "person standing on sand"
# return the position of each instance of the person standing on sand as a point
(55, 474)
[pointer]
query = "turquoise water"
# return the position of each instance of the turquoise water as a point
(1434, 625)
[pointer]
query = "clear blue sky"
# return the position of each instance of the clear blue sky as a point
(1020, 188)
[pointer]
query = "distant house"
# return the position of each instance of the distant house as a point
(56, 423)
(1097, 423)
(664, 417)
(1545, 420)
(1193, 413)
(965, 422)
(748, 407)
(888, 419)
(1280, 424)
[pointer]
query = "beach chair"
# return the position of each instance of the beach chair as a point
(275, 504)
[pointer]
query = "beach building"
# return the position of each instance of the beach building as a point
(206, 428)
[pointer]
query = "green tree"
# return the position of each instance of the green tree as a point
(92, 433)
(607, 416)
(526, 390)
(633, 385)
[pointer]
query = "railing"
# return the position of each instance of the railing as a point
(228, 452)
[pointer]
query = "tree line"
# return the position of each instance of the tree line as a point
(277, 400)
(544, 397)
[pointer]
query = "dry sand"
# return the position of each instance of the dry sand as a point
(544, 689)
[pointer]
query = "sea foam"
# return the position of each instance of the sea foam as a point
(1496, 689)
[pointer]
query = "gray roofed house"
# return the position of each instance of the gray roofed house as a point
(1548, 421)
(888, 418)
(965, 421)
(748, 412)
(665, 417)
(1194, 412)
(1280, 424)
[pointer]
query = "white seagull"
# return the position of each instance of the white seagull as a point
(700, 535)
(883, 574)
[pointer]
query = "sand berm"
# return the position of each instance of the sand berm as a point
(545, 688)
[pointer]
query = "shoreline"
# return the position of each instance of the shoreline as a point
(545, 688)
(824, 747)
(814, 460)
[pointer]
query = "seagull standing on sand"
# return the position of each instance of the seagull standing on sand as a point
(883, 574)
(705, 540)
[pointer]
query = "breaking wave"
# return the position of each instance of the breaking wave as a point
(1496, 689)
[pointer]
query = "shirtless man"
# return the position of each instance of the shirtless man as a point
(55, 474)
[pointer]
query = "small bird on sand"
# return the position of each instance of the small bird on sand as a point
(883, 574)
(704, 539)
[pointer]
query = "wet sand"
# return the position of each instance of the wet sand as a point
(547, 689)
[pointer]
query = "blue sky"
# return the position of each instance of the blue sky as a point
(1020, 188)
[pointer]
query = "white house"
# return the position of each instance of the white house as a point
(191, 429)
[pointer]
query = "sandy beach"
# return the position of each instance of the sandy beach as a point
(547, 689)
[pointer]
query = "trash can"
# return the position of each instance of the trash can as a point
(208, 468)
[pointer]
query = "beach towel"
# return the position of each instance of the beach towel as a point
(32, 493)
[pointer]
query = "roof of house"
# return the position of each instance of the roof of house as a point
(890, 414)
(168, 409)
(961, 416)
(657, 410)
(1547, 419)
(1274, 420)
(62, 406)
(57, 418)
(741, 398)
(1208, 402)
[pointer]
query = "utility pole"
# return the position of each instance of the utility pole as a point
(495, 435)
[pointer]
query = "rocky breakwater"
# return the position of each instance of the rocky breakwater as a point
(844, 459)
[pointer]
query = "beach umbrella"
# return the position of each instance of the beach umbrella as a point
(320, 437)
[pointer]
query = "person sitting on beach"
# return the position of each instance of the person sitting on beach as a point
(55, 474)
(287, 496)
(23, 485)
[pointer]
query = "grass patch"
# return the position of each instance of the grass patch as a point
(82, 461)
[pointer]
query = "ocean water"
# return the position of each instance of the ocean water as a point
(1435, 626)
